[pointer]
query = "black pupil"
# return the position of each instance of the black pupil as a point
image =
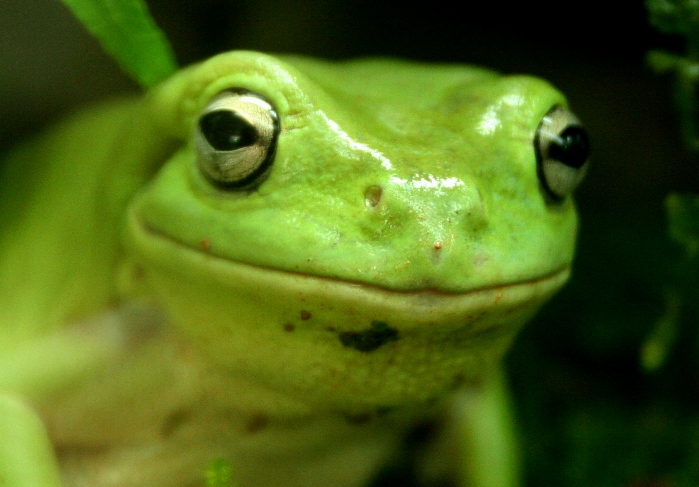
(226, 130)
(572, 147)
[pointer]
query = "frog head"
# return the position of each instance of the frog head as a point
(365, 233)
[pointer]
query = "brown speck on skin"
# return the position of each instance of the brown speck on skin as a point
(305, 315)
(331, 328)
(460, 381)
(256, 423)
(289, 327)
(205, 244)
(173, 422)
(138, 273)
(499, 295)
(438, 245)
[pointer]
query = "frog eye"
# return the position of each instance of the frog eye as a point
(235, 138)
(562, 152)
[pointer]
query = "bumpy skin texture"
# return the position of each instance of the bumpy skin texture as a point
(380, 269)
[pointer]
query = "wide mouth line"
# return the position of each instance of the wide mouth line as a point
(426, 291)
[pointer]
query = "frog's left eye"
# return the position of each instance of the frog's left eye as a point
(235, 138)
(562, 152)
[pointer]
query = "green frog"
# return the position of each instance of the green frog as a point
(306, 269)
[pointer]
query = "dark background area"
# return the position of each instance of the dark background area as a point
(590, 415)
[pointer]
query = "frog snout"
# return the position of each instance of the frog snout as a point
(428, 209)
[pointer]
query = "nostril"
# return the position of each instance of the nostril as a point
(372, 196)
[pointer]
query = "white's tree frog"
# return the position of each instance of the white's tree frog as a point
(291, 265)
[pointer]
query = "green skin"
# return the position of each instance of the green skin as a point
(154, 323)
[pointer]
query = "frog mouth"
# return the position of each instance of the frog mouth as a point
(415, 305)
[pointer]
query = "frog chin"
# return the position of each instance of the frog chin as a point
(329, 340)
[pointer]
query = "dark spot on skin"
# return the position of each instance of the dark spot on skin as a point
(332, 328)
(256, 423)
(362, 418)
(205, 244)
(305, 315)
(173, 422)
(289, 327)
(369, 340)
(438, 245)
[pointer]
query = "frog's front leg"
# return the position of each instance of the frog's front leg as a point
(475, 443)
(486, 434)
(26, 455)
(33, 372)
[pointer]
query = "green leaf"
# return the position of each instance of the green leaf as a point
(658, 346)
(683, 215)
(128, 33)
(674, 16)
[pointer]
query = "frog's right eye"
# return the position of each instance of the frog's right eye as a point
(562, 152)
(236, 137)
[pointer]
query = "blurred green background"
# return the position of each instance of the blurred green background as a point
(589, 413)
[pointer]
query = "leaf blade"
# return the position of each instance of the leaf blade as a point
(129, 34)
